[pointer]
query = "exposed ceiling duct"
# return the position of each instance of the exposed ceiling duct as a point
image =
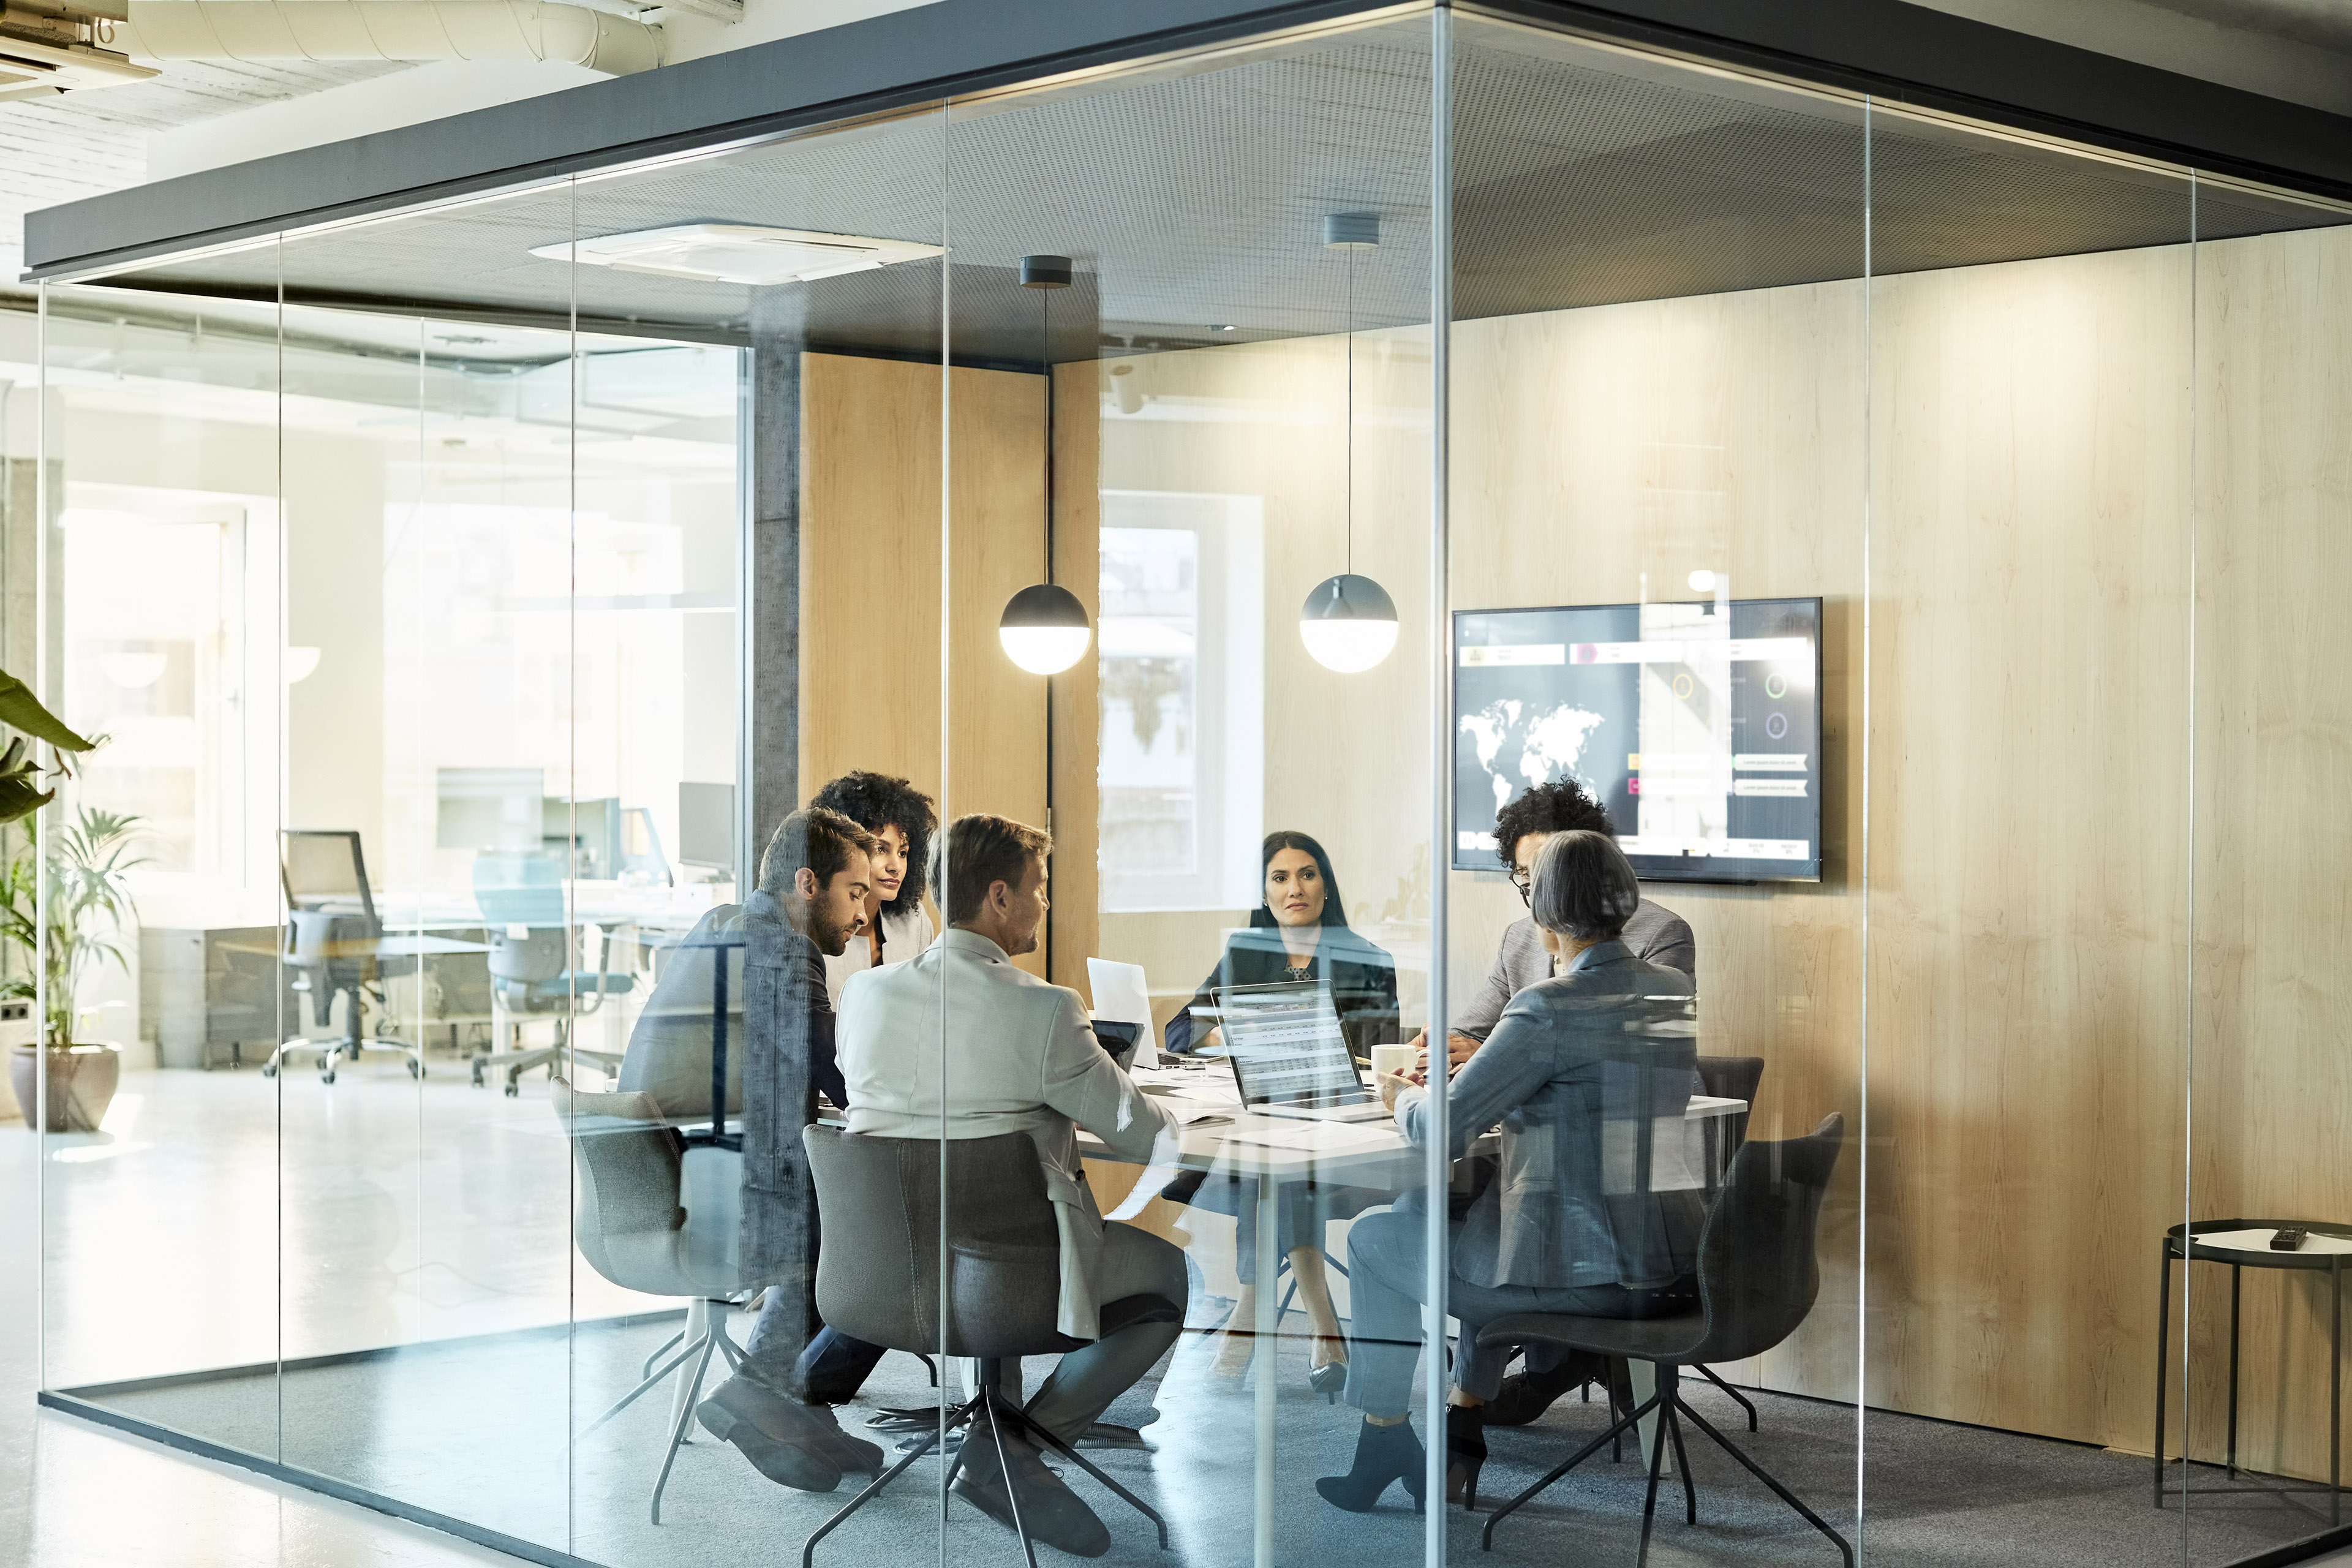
(49, 49)
(414, 30)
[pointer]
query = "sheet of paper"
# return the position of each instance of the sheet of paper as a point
(1122, 994)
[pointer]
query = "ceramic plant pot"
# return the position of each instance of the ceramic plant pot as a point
(82, 1080)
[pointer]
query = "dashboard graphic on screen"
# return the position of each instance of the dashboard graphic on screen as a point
(1696, 725)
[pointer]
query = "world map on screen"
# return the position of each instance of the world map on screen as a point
(1522, 743)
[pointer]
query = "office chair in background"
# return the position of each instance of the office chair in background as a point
(331, 935)
(531, 962)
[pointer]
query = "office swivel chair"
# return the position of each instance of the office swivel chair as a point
(331, 933)
(1758, 1278)
(659, 1216)
(1002, 1284)
(522, 899)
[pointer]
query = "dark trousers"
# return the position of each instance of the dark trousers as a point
(828, 1370)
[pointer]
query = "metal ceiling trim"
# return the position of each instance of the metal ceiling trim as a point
(956, 50)
(862, 69)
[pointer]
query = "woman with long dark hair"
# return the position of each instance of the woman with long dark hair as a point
(1298, 934)
(902, 820)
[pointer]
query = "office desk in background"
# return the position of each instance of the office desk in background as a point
(215, 996)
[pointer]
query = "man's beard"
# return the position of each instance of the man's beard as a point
(831, 940)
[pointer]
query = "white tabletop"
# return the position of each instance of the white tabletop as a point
(1219, 1133)
(2259, 1241)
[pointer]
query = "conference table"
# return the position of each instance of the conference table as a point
(1219, 1136)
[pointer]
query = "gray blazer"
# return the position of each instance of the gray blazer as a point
(1655, 935)
(1582, 1072)
(1018, 1055)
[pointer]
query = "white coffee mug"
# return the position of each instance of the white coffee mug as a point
(1396, 1060)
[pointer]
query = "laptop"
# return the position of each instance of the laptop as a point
(1288, 1056)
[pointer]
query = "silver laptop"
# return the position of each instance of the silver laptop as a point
(1288, 1055)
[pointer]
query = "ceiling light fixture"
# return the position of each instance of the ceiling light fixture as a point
(1045, 629)
(1348, 623)
(736, 253)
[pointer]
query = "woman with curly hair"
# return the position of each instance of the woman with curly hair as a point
(902, 819)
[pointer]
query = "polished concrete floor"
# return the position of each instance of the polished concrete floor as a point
(432, 1219)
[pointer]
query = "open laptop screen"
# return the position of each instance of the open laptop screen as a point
(1285, 1043)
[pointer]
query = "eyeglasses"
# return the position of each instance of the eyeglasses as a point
(1525, 885)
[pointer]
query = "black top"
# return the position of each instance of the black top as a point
(1361, 975)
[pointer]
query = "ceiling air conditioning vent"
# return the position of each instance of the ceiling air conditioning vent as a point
(736, 253)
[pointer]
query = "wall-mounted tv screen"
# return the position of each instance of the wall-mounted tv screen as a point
(1696, 725)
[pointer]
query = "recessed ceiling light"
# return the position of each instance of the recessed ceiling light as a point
(736, 253)
(1221, 326)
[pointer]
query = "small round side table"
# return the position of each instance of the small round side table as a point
(2245, 1244)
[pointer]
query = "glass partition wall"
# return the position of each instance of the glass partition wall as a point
(1898, 544)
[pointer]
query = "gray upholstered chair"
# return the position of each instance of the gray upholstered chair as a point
(1004, 1285)
(1757, 1281)
(1728, 1077)
(659, 1216)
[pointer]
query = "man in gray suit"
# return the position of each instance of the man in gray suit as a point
(1020, 1056)
(1654, 935)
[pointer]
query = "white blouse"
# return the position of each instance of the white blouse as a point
(903, 936)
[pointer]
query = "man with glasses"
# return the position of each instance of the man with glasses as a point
(1655, 934)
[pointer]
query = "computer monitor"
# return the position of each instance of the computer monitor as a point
(706, 826)
(590, 829)
(487, 808)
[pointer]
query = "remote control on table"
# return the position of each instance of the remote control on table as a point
(2289, 1238)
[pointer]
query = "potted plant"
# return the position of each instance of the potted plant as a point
(88, 886)
(88, 904)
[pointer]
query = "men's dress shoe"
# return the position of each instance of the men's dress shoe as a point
(1053, 1514)
(850, 1452)
(776, 1434)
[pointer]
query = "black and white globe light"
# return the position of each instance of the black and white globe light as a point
(1348, 623)
(1044, 629)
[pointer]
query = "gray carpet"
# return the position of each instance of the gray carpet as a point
(477, 1429)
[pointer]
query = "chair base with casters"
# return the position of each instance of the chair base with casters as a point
(350, 1046)
(990, 1411)
(704, 1334)
(1757, 1279)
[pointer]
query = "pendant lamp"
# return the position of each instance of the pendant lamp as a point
(1348, 623)
(1045, 629)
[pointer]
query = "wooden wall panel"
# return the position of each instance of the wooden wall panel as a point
(871, 572)
(2272, 1004)
(2028, 835)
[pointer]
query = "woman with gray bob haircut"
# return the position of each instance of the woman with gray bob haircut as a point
(1578, 1068)
(1584, 889)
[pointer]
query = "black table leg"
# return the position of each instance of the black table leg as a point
(2163, 1335)
(2237, 1275)
(2335, 1389)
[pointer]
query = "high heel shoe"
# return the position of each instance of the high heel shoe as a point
(1466, 1453)
(1384, 1454)
(1330, 1377)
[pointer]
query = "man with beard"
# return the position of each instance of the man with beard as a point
(813, 882)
